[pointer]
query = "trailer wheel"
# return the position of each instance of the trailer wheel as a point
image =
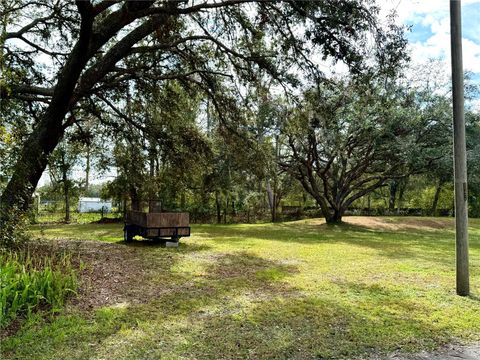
(128, 233)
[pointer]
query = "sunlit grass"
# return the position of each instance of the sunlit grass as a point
(289, 290)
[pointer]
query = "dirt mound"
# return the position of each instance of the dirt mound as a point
(394, 223)
(398, 223)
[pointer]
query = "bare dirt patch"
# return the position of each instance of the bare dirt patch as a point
(109, 273)
(380, 223)
(447, 352)
(395, 224)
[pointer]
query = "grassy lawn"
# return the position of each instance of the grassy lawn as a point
(290, 290)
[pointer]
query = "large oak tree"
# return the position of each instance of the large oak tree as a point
(350, 138)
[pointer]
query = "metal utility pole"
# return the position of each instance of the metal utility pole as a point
(459, 151)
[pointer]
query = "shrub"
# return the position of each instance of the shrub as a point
(29, 284)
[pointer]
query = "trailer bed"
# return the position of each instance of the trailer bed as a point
(157, 225)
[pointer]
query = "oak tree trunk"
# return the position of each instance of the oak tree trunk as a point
(31, 164)
(48, 131)
(334, 217)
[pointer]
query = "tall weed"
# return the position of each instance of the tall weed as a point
(29, 283)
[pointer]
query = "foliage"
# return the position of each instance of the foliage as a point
(61, 164)
(169, 152)
(188, 108)
(29, 283)
(473, 161)
(424, 198)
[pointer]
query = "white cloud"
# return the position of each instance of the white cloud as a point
(434, 14)
(475, 104)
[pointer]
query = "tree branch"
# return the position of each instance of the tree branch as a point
(95, 73)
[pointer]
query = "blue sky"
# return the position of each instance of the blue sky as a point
(429, 37)
(430, 29)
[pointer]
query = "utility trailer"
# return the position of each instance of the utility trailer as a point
(166, 226)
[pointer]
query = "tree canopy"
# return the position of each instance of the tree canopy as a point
(64, 60)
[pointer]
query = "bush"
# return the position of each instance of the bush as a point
(29, 284)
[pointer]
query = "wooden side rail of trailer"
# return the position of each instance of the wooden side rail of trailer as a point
(156, 225)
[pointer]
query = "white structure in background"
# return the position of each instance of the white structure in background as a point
(87, 204)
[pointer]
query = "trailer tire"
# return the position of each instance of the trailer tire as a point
(128, 233)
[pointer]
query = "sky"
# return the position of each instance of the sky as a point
(429, 36)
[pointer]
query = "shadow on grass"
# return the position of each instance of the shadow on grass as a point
(284, 325)
(183, 247)
(378, 321)
(170, 296)
(237, 305)
(430, 246)
(474, 297)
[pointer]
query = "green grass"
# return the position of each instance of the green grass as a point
(93, 232)
(290, 290)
